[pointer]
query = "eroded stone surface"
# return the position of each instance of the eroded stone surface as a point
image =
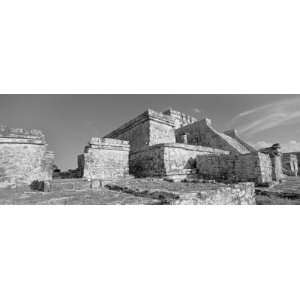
(180, 118)
(104, 159)
(188, 193)
(290, 164)
(147, 129)
(167, 159)
(255, 167)
(23, 157)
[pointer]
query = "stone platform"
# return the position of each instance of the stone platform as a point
(24, 157)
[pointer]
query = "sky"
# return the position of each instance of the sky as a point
(69, 121)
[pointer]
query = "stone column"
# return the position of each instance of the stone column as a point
(276, 158)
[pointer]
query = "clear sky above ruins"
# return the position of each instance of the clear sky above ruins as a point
(70, 120)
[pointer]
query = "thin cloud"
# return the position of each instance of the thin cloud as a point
(267, 116)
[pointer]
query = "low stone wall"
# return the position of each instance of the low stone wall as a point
(254, 167)
(186, 194)
(23, 157)
(167, 159)
(104, 159)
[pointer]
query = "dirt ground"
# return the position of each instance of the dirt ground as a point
(101, 197)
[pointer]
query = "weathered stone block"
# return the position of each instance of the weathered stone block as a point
(149, 128)
(180, 118)
(254, 167)
(290, 164)
(23, 157)
(104, 159)
(167, 159)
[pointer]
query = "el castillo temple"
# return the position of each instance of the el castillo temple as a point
(167, 147)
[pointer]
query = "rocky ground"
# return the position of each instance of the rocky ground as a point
(145, 192)
(285, 193)
(103, 197)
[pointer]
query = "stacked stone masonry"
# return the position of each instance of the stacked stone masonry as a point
(152, 144)
(255, 167)
(290, 164)
(23, 157)
(105, 159)
(149, 128)
(298, 158)
(168, 159)
(180, 118)
(276, 158)
(166, 143)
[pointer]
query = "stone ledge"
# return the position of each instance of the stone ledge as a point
(185, 147)
(107, 144)
(106, 141)
(21, 133)
(20, 140)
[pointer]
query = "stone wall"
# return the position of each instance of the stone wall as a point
(276, 158)
(298, 158)
(160, 133)
(147, 129)
(202, 133)
(105, 159)
(254, 167)
(180, 118)
(277, 173)
(167, 159)
(184, 193)
(290, 164)
(148, 162)
(23, 157)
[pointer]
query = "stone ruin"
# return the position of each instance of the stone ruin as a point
(176, 146)
(24, 157)
(169, 145)
(105, 159)
(290, 164)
